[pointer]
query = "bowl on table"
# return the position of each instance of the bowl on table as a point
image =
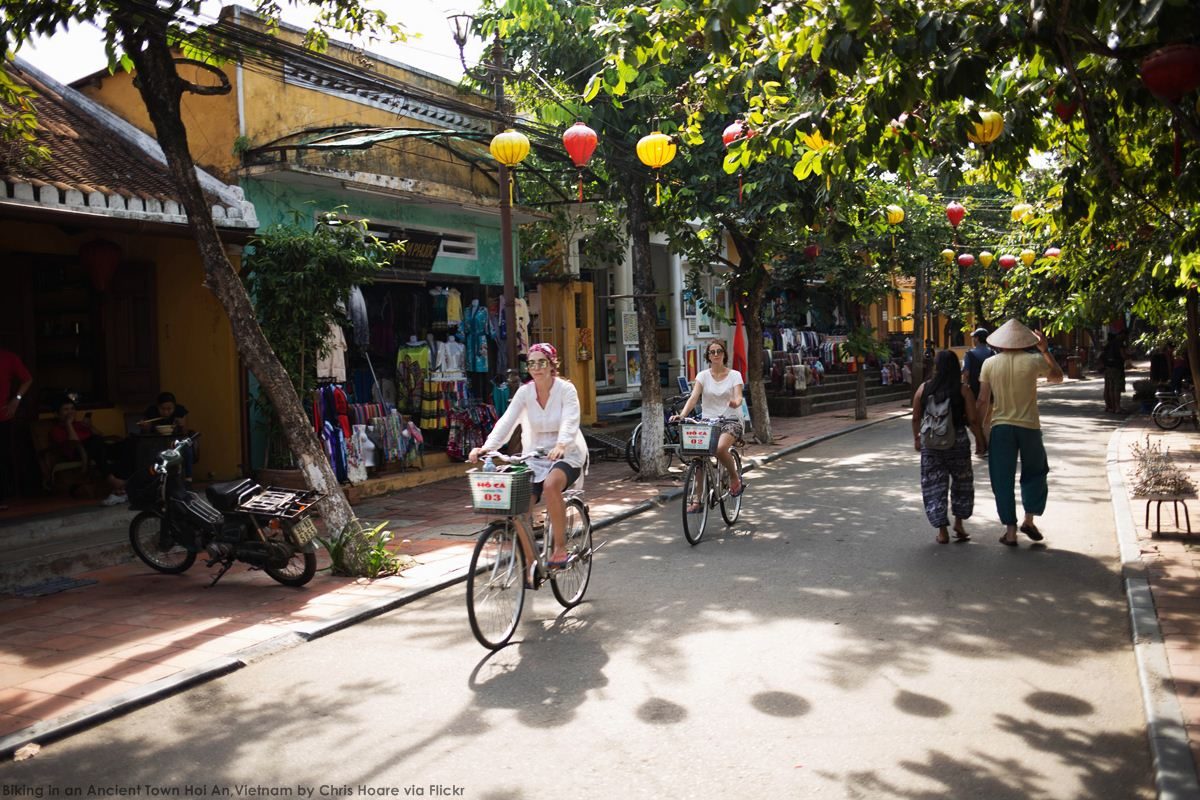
(164, 430)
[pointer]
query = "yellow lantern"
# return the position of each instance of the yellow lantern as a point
(988, 129)
(509, 147)
(1027, 256)
(986, 259)
(895, 215)
(1021, 212)
(948, 256)
(656, 150)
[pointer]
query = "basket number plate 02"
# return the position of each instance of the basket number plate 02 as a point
(696, 437)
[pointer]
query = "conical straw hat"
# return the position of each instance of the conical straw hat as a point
(1012, 335)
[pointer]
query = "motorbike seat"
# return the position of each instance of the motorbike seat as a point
(229, 495)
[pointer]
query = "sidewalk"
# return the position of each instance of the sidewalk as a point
(73, 659)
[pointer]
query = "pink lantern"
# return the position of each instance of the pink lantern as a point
(735, 132)
(966, 260)
(955, 213)
(1007, 261)
(1052, 252)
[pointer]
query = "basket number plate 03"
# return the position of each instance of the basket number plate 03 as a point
(490, 490)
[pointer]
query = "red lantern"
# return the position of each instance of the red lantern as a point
(966, 260)
(580, 141)
(1066, 110)
(100, 258)
(1172, 71)
(1007, 261)
(955, 213)
(735, 132)
(812, 251)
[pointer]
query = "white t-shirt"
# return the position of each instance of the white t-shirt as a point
(714, 402)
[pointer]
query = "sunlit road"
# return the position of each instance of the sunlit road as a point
(823, 647)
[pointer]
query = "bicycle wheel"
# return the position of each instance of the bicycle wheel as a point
(154, 542)
(633, 452)
(1165, 416)
(570, 583)
(496, 585)
(695, 501)
(731, 507)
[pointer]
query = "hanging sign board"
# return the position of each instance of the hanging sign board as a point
(420, 249)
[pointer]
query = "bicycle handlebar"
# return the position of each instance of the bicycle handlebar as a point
(516, 458)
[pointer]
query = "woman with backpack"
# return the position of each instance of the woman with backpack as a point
(943, 409)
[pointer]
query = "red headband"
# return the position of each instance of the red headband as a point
(544, 348)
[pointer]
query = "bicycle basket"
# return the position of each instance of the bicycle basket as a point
(501, 492)
(698, 439)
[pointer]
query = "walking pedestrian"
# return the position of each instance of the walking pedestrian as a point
(972, 366)
(1113, 360)
(1008, 389)
(942, 402)
(12, 371)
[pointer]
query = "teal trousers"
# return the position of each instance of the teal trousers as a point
(1006, 444)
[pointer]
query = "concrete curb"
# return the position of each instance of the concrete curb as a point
(118, 705)
(1174, 768)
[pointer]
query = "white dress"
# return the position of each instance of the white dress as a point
(543, 428)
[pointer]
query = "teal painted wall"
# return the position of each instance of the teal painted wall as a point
(275, 202)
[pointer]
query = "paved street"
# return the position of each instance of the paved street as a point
(825, 646)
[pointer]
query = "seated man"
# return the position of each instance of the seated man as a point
(73, 438)
(166, 411)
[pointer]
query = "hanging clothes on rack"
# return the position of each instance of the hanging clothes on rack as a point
(412, 367)
(454, 307)
(475, 328)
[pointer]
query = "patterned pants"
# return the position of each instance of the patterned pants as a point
(950, 471)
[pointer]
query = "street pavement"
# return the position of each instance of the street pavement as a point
(87, 655)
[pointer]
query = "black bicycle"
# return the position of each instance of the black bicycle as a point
(633, 447)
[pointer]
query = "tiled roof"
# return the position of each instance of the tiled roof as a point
(100, 164)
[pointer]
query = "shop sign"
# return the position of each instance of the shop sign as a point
(420, 249)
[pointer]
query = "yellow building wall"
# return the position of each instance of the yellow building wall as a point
(197, 358)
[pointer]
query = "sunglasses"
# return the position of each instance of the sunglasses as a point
(538, 363)
(715, 350)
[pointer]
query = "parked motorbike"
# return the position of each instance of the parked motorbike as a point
(1173, 408)
(266, 527)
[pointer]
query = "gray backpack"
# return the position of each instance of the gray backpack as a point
(937, 424)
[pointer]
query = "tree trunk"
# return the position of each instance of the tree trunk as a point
(860, 390)
(654, 463)
(918, 355)
(749, 290)
(161, 90)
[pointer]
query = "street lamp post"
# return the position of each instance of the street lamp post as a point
(460, 28)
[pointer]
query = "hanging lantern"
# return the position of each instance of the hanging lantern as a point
(812, 251)
(986, 259)
(1021, 212)
(955, 213)
(735, 132)
(656, 150)
(1066, 109)
(895, 215)
(1007, 261)
(948, 256)
(1028, 256)
(1172, 71)
(1052, 252)
(100, 258)
(966, 260)
(1169, 73)
(510, 149)
(988, 129)
(580, 141)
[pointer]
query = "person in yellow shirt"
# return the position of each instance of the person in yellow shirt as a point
(1008, 389)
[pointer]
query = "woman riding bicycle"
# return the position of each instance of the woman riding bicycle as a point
(547, 409)
(718, 391)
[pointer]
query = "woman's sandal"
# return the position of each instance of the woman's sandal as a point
(738, 492)
(1006, 541)
(961, 535)
(942, 538)
(694, 508)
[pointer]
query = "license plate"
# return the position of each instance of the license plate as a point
(305, 531)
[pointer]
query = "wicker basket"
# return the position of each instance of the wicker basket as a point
(698, 439)
(501, 492)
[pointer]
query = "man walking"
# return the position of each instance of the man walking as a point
(1008, 390)
(972, 366)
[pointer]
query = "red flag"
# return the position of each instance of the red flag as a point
(739, 341)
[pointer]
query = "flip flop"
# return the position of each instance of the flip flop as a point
(741, 488)
(555, 563)
(940, 540)
(962, 536)
(1032, 532)
(694, 508)
(1004, 540)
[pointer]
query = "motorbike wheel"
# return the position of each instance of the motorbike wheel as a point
(1164, 416)
(154, 542)
(299, 569)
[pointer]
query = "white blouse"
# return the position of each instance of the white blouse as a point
(714, 401)
(543, 428)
